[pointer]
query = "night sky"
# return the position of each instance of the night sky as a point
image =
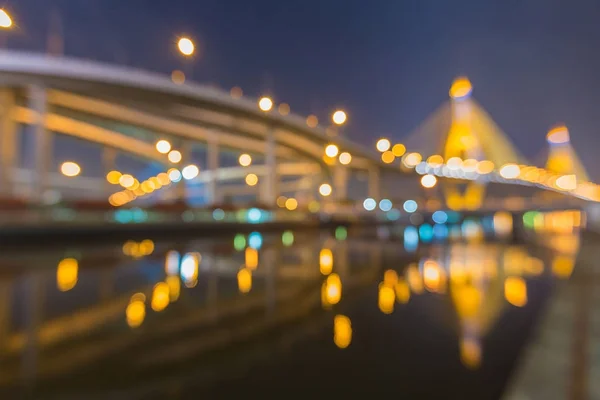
(533, 63)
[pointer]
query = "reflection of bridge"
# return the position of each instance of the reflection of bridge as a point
(56, 109)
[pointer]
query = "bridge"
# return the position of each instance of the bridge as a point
(80, 135)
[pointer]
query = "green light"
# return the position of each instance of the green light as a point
(341, 233)
(239, 242)
(529, 219)
(287, 238)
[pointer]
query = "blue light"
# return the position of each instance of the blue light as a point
(453, 217)
(255, 240)
(139, 215)
(369, 204)
(393, 214)
(385, 205)
(411, 238)
(410, 206)
(440, 232)
(426, 233)
(439, 217)
(218, 214)
(254, 215)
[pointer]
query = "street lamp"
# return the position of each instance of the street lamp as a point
(5, 20)
(265, 104)
(186, 46)
(339, 117)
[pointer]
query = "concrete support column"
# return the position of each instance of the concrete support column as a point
(42, 141)
(109, 160)
(212, 194)
(373, 183)
(9, 143)
(33, 315)
(269, 189)
(340, 182)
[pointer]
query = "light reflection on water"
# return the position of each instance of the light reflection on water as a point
(164, 303)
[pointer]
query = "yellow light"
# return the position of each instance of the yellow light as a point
(333, 289)
(245, 160)
(265, 104)
(331, 150)
(461, 87)
(469, 165)
(163, 146)
(484, 167)
(312, 121)
(251, 258)
(386, 299)
(326, 261)
(163, 178)
(244, 278)
(503, 223)
(174, 287)
(186, 46)
(66, 274)
(428, 181)
(174, 156)
(113, 177)
(5, 19)
(178, 77)
(435, 161)
(402, 291)
(510, 171)
(251, 179)
(567, 182)
(126, 180)
(470, 353)
(390, 278)
(399, 149)
(284, 109)
(281, 201)
(562, 267)
(383, 144)
(415, 282)
(345, 158)
(146, 247)
(433, 277)
(236, 92)
(411, 160)
(291, 204)
(70, 169)
(515, 291)
(387, 157)
(339, 117)
(342, 331)
(135, 312)
(160, 296)
(325, 189)
(558, 135)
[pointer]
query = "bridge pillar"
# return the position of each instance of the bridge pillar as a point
(9, 142)
(212, 195)
(340, 182)
(373, 183)
(269, 189)
(42, 141)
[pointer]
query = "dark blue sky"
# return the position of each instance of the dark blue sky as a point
(388, 62)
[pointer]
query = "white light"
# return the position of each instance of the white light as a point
(163, 146)
(510, 171)
(174, 175)
(369, 204)
(186, 46)
(5, 20)
(245, 160)
(331, 150)
(385, 205)
(339, 117)
(428, 181)
(265, 104)
(345, 158)
(383, 145)
(190, 172)
(174, 156)
(325, 189)
(410, 206)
